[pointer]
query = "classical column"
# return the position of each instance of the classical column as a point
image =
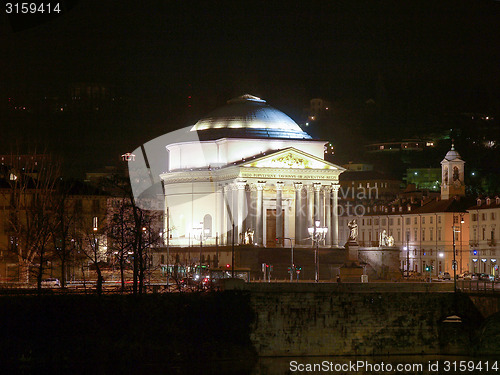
(223, 215)
(321, 207)
(230, 213)
(335, 215)
(317, 189)
(327, 192)
(259, 229)
(310, 207)
(241, 210)
(279, 211)
(298, 212)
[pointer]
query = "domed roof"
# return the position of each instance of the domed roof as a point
(452, 154)
(248, 116)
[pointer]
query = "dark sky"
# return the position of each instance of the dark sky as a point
(421, 56)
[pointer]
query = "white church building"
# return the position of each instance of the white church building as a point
(250, 167)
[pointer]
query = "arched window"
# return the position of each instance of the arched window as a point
(207, 225)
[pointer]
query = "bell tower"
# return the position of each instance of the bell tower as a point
(452, 180)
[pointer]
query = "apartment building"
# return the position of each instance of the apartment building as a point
(484, 234)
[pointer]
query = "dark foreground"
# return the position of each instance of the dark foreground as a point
(88, 332)
(232, 332)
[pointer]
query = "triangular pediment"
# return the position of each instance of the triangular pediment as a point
(290, 158)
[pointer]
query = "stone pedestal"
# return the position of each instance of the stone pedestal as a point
(351, 272)
(352, 248)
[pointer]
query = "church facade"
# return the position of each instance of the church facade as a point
(248, 173)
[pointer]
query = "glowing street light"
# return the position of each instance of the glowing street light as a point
(455, 230)
(202, 233)
(317, 234)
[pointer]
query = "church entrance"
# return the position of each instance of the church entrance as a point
(271, 227)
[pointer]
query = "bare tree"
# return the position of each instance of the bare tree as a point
(95, 251)
(30, 214)
(147, 237)
(133, 230)
(65, 218)
(120, 233)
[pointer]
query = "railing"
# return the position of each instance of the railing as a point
(473, 243)
(475, 286)
(492, 242)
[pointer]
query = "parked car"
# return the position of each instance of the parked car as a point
(466, 275)
(486, 277)
(51, 283)
(474, 276)
(446, 276)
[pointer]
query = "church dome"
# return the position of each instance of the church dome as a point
(452, 154)
(248, 117)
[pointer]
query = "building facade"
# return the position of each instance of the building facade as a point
(484, 234)
(249, 176)
(429, 232)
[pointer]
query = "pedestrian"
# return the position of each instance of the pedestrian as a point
(338, 279)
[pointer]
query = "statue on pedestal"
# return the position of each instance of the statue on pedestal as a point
(353, 234)
(382, 241)
(385, 240)
(248, 237)
(390, 241)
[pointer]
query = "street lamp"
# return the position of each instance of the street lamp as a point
(203, 233)
(454, 258)
(317, 234)
(462, 221)
(408, 255)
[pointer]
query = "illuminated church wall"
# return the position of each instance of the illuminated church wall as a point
(225, 151)
(246, 176)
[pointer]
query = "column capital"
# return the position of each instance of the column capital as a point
(241, 184)
(335, 188)
(317, 186)
(260, 185)
(297, 185)
(327, 188)
(279, 185)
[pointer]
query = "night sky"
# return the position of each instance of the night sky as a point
(419, 59)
